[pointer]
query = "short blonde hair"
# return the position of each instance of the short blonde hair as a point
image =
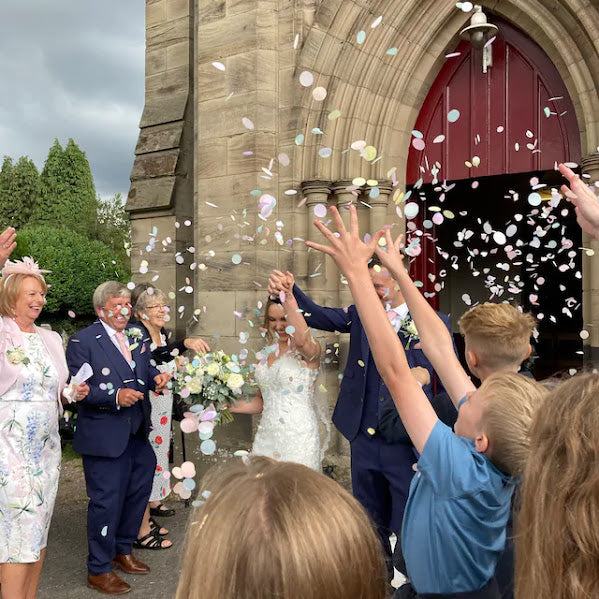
(510, 404)
(9, 290)
(498, 333)
(278, 529)
(557, 540)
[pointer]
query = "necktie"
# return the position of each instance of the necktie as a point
(120, 337)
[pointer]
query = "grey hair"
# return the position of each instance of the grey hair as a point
(104, 291)
(150, 295)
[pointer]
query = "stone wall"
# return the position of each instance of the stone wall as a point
(224, 109)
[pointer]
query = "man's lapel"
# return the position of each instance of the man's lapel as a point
(115, 360)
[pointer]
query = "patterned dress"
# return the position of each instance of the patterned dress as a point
(160, 435)
(289, 428)
(29, 455)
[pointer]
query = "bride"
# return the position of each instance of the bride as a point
(286, 374)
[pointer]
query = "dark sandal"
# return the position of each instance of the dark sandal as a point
(151, 541)
(160, 510)
(154, 525)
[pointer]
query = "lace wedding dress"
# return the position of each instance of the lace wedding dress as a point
(290, 427)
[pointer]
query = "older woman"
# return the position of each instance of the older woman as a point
(150, 308)
(33, 377)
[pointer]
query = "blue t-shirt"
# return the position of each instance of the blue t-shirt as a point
(454, 525)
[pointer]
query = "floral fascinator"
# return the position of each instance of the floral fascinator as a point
(26, 266)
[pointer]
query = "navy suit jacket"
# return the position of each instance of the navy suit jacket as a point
(347, 415)
(102, 428)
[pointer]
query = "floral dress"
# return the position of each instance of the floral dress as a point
(29, 455)
(160, 435)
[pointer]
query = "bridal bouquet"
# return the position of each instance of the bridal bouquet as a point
(209, 383)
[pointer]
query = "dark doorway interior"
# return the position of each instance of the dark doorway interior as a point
(538, 265)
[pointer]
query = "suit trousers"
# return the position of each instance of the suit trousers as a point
(381, 473)
(118, 490)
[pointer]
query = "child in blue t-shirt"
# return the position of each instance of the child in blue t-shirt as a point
(459, 502)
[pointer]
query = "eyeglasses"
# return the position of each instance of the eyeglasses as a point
(157, 307)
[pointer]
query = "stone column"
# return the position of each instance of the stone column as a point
(378, 205)
(590, 276)
(344, 196)
(315, 192)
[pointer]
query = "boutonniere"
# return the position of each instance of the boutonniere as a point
(17, 356)
(409, 330)
(134, 333)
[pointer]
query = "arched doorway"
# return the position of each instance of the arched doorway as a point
(480, 172)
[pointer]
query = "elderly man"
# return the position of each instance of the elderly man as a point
(113, 424)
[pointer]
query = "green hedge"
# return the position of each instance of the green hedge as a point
(78, 266)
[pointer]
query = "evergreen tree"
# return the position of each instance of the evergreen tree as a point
(113, 225)
(19, 190)
(67, 192)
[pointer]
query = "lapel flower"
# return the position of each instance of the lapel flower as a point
(17, 356)
(409, 330)
(134, 333)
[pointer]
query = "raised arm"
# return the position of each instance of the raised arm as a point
(301, 338)
(585, 200)
(317, 317)
(351, 256)
(435, 338)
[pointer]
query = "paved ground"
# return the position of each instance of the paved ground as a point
(64, 573)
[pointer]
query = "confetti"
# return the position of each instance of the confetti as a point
(306, 78)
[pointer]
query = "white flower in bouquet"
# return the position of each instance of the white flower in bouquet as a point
(212, 369)
(194, 385)
(235, 382)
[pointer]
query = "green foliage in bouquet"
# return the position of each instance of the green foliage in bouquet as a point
(212, 382)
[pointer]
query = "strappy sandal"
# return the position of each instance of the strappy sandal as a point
(161, 510)
(154, 525)
(151, 541)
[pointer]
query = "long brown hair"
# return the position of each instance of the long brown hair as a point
(557, 540)
(278, 529)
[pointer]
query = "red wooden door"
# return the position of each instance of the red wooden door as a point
(518, 117)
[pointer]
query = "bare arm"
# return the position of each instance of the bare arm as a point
(351, 256)
(583, 197)
(301, 338)
(435, 339)
(255, 405)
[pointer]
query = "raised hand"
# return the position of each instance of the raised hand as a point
(346, 248)
(7, 244)
(392, 258)
(584, 200)
(279, 281)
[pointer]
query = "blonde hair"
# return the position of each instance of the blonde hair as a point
(510, 403)
(557, 540)
(498, 333)
(9, 290)
(278, 529)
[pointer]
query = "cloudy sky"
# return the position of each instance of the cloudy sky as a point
(73, 68)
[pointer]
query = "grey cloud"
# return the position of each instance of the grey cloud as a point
(73, 68)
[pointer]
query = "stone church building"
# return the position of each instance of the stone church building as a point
(258, 113)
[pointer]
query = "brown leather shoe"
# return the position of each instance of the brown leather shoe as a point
(127, 563)
(108, 583)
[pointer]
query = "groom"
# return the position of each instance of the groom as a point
(382, 454)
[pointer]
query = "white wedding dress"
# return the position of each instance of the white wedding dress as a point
(290, 427)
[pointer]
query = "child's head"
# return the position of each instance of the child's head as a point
(557, 545)
(279, 529)
(496, 336)
(498, 416)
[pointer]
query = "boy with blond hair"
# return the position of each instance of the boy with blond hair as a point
(459, 502)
